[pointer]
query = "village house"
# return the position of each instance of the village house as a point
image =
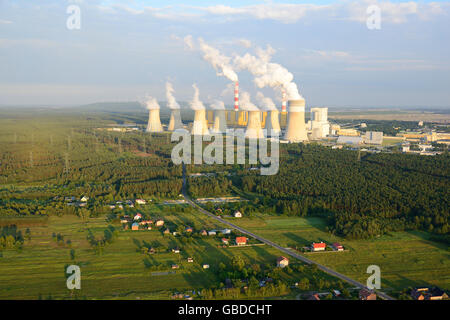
(84, 199)
(212, 233)
(225, 241)
(282, 262)
(226, 231)
(240, 241)
(237, 214)
(159, 223)
(205, 266)
(135, 226)
(176, 250)
(338, 247)
(314, 297)
(425, 293)
(151, 251)
(141, 201)
(365, 294)
(167, 231)
(204, 232)
(189, 229)
(190, 259)
(111, 206)
(123, 221)
(318, 246)
(175, 266)
(138, 216)
(149, 228)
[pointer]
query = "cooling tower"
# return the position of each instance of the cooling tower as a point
(254, 130)
(200, 126)
(175, 120)
(220, 122)
(296, 127)
(273, 123)
(154, 123)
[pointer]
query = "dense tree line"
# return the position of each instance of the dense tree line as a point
(379, 193)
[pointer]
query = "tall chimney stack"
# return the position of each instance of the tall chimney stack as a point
(154, 122)
(175, 120)
(220, 122)
(296, 127)
(283, 101)
(200, 125)
(236, 96)
(254, 130)
(273, 123)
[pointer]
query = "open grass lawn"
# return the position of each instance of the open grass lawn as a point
(405, 258)
(120, 272)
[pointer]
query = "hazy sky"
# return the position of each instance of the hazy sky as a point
(127, 49)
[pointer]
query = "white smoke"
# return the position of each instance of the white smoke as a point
(151, 103)
(217, 105)
(196, 104)
(268, 74)
(171, 101)
(220, 62)
(265, 102)
(245, 102)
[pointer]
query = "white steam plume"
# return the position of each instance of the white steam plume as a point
(265, 102)
(151, 103)
(220, 62)
(217, 105)
(196, 104)
(268, 74)
(171, 101)
(246, 103)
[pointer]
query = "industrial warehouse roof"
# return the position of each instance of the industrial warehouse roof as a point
(349, 140)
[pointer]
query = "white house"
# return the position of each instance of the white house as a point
(141, 201)
(237, 214)
(226, 231)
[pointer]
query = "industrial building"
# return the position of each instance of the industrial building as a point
(373, 137)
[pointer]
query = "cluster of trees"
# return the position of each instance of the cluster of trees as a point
(11, 237)
(362, 197)
(98, 245)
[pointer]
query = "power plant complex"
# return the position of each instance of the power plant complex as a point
(213, 121)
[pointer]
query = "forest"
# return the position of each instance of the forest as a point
(51, 156)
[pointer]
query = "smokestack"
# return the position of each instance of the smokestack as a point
(200, 126)
(236, 96)
(273, 123)
(220, 122)
(283, 101)
(175, 120)
(154, 122)
(254, 130)
(296, 128)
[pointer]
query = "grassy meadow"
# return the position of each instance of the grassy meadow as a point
(405, 258)
(38, 270)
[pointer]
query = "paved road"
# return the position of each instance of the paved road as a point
(270, 243)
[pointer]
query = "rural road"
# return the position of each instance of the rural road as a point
(270, 243)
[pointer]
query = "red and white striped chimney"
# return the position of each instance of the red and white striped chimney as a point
(283, 100)
(236, 96)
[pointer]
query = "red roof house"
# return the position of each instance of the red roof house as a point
(241, 241)
(318, 246)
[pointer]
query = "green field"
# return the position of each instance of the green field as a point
(405, 258)
(37, 271)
